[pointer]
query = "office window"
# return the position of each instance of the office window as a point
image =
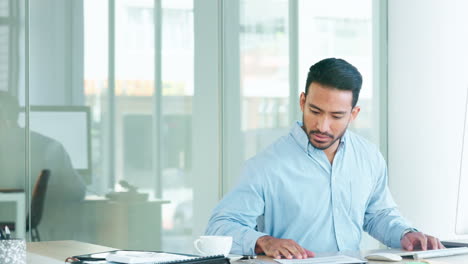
(4, 55)
(133, 93)
(345, 32)
(176, 155)
(256, 99)
(264, 72)
(142, 117)
(4, 8)
(95, 53)
(9, 42)
(4, 44)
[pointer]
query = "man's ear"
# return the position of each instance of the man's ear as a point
(355, 112)
(302, 100)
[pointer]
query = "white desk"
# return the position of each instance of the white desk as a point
(49, 252)
(20, 199)
(55, 252)
(458, 259)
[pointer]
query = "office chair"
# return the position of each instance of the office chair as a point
(37, 205)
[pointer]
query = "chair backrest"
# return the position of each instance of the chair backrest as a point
(38, 198)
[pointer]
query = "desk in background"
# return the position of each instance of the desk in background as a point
(57, 251)
(19, 197)
(126, 225)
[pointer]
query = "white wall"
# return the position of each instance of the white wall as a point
(427, 88)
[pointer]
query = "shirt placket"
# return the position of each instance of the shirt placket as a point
(339, 219)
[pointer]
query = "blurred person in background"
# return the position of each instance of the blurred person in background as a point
(65, 189)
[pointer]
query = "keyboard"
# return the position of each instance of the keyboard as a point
(434, 253)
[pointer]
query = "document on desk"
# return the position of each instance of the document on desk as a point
(133, 257)
(144, 257)
(339, 259)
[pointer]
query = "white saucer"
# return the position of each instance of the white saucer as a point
(233, 257)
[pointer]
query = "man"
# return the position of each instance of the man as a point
(65, 187)
(318, 187)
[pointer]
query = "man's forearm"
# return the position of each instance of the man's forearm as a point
(387, 227)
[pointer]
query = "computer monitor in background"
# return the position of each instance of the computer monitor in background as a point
(69, 125)
(461, 222)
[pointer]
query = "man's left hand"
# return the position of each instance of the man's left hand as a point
(419, 240)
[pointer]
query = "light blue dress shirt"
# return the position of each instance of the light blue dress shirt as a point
(301, 196)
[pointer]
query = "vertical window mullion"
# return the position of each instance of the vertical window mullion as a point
(293, 18)
(232, 150)
(206, 135)
(111, 94)
(157, 110)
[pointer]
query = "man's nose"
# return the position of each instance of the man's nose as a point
(323, 124)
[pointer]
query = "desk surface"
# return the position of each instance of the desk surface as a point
(60, 250)
(460, 259)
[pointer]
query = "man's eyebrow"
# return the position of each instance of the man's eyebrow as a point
(314, 106)
(335, 112)
(339, 112)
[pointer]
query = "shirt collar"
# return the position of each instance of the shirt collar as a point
(301, 138)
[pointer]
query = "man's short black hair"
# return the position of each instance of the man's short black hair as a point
(336, 73)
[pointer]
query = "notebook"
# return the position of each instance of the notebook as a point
(152, 257)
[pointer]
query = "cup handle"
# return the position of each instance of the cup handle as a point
(195, 244)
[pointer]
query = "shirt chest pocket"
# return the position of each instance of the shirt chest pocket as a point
(353, 193)
(302, 198)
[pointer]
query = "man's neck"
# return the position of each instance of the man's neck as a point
(331, 151)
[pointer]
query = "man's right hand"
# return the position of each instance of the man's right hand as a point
(278, 248)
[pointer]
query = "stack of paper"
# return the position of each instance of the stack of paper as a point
(144, 257)
(340, 259)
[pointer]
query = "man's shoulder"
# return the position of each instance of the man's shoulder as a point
(270, 163)
(276, 153)
(362, 145)
(45, 144)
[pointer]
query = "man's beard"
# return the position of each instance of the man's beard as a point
(310, 133)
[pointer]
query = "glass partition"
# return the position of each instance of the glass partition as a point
(14, 183)
(107, 98)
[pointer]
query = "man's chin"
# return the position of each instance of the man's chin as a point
(321, 145)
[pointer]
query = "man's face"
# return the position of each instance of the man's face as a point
(327, 112)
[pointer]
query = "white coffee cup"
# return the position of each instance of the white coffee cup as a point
(213, 245)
